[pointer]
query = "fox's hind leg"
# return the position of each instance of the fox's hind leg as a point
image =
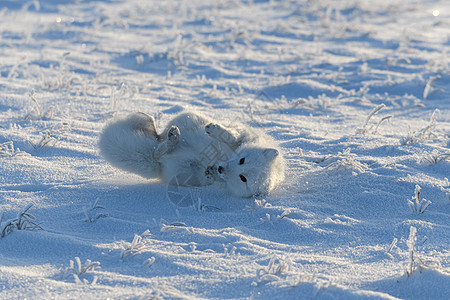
(224, 135)
(144, 124)
(169, 143)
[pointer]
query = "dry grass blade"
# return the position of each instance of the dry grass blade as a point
(46, 140)
(173, 226)
(373, 129)
(24, 221)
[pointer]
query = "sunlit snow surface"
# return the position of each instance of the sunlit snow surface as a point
(356, 92)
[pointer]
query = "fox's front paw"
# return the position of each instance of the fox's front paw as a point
(173, 135)
(213, 129)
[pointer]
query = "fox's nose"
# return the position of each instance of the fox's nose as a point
(220, 169)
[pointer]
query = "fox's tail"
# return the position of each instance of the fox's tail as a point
(129, 144)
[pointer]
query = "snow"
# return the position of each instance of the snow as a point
(356, 93)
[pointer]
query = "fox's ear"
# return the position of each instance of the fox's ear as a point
(270, 153)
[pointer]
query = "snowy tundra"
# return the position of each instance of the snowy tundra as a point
(355, 93)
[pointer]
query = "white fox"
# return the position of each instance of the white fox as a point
(193, 151)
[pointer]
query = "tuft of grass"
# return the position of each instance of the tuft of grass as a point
(79, 269)
(416, 204)
(36, 112)
(23, 221)
(48, 137)
(347, 161)
(273, 270)
(424, 133)
(46, 140)
(138, 245)
(366, 128)
(90, 212)
(436, 158)
(416, 262)
(63, 79)
(7, 149)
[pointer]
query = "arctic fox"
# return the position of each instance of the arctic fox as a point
(193, 151)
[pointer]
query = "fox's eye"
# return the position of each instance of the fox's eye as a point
(243, 178)
(242, 161)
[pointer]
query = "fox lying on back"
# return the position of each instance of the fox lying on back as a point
(194, 151)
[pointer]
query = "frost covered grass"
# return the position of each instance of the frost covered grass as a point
(366, 128)
(433, 158)
(355, 93)
(91, 211)
(23, 221)
(36, 112)
(424, 133)
(416, 204)
(138, 245)
(77, 270)
(8, 149)
(416, 263)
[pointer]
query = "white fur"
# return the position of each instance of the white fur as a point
(193, 151)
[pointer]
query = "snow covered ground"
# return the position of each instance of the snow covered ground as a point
(356, 92)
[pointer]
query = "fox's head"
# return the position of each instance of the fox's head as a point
(253, 171)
